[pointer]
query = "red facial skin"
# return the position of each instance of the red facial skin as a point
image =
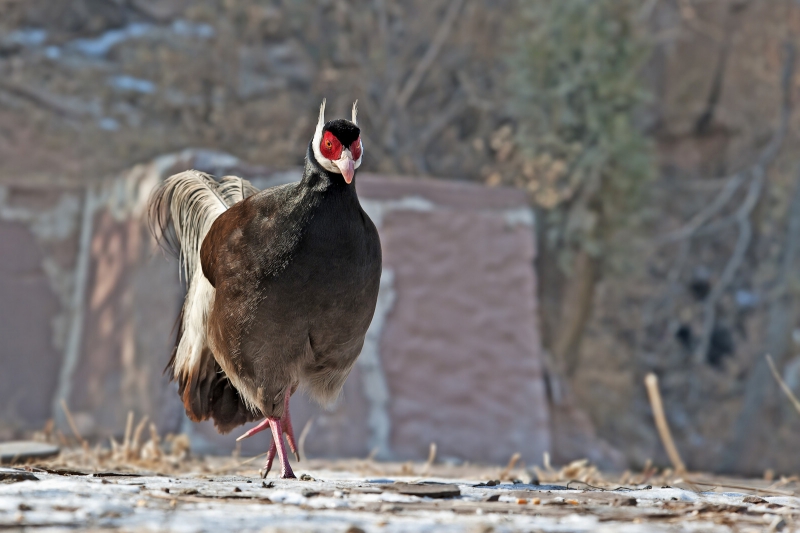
(331, 148)
(355, 149)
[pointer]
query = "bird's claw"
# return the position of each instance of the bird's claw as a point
(278, 426)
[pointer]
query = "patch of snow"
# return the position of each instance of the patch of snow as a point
(189, 29)
(108, 124)
(100, 46)
(26, 37)
(129, 83)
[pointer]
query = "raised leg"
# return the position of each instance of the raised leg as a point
(278, 426)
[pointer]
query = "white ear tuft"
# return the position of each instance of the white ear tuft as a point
(321, 120)
(355, 112)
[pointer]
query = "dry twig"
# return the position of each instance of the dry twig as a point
(512, 462)
(126, 443)
(72, 426)
(431, 459)
(651, 382)
(740, 487)
(784, 387)
(137, 434)
(301, 442)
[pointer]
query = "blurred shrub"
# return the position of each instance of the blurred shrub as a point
(577, 88)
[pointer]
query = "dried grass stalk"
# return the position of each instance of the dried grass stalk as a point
(72, 426)
(651, 382)
(784, 387)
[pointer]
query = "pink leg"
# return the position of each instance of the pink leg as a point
(287, 427)
(278, 426)
(277, 440)
(268, 463)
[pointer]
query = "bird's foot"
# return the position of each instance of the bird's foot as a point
(277, 447)
(278, 426)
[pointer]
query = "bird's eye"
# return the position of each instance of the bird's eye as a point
(330, 147)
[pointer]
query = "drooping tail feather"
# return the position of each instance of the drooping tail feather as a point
(182, 211)
(183, 208)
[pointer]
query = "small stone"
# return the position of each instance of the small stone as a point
(23, 451)
(753, 499)
(354, 529)
(390, 508)
(24, 507)
(306, 477)
(237, 489)
(430, 490)
(266, 485)
(493, 498)
(12, 475)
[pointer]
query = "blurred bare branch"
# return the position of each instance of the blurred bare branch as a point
(779, 322)
(427, 60)
(784, 387)
(43, 100)
(691, 18)
(732, 184)
(757, 176)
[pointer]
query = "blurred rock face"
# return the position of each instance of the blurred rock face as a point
(89, 86)
(453, 355)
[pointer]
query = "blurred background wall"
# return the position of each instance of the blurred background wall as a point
(453, 356)
(656, 141)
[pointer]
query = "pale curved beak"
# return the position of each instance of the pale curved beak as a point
(346, 166)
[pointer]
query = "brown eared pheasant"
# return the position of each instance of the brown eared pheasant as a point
(281, 286)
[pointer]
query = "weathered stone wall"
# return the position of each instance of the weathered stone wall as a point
(453, 355)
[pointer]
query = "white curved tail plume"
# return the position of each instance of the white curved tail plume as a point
(182, 210)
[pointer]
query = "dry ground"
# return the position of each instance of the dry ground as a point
(89, 490)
